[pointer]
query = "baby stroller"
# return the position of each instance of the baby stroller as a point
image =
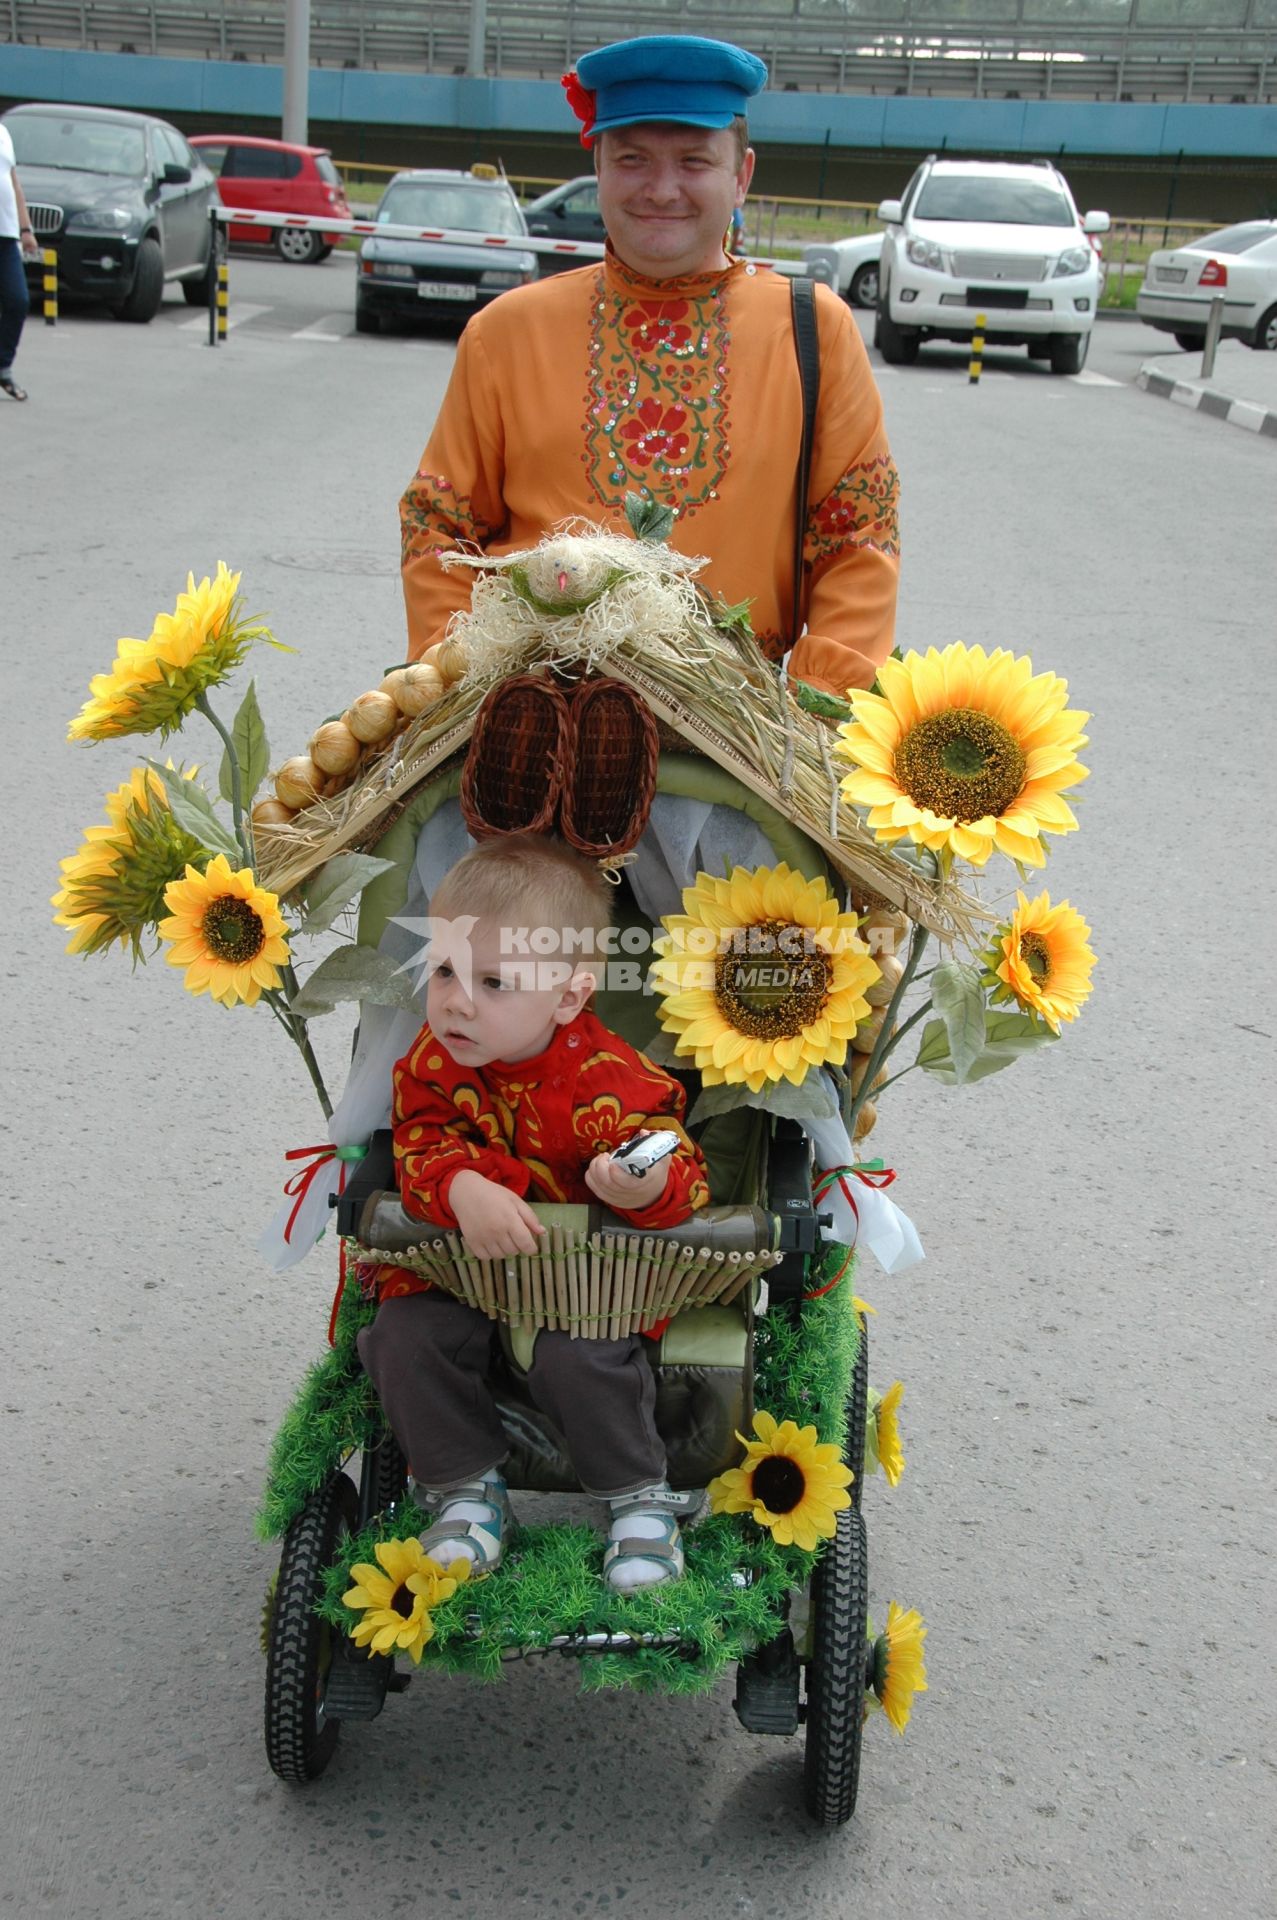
(788, 1337)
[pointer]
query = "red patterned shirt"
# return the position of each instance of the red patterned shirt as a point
(533, 1126)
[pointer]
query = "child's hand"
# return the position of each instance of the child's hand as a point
(621, 1190)
(495, 1223)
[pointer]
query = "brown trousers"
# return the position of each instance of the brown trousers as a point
(430, 1359)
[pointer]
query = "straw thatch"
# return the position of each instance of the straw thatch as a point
(632, 606)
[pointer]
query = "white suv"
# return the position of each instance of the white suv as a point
(990, 237)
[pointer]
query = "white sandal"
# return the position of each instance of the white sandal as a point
(663, 1549)
(477, 1514)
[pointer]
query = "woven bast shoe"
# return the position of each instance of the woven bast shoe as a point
(611, 774)
(514, 772)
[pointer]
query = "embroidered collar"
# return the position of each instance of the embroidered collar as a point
(623, 279)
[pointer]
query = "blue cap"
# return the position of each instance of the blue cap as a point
(664, 76)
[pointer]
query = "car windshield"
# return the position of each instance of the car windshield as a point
(87, 146)
(1236, 239)
(1021, 203)
(432, 203)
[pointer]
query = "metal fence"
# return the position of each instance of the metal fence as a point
(1147, 50)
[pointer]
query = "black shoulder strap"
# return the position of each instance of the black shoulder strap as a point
(807, 347)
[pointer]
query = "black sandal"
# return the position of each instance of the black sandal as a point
(11, 387)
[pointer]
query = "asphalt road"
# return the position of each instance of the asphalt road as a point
(1086, 1519)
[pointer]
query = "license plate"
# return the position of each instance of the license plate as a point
(1172, 273)
(444, 290)
(997, 297)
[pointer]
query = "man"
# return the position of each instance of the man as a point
(16, 241)
(669, 370)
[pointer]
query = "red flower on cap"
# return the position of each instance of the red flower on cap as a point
(582, 103)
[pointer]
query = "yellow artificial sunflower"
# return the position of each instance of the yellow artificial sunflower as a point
(154, 683)
(965, 751)
(113, 887)
(398, 1596)
(790, 1482)
(226, 932)
(1040, 960)
(898, 1667)
(761, 977)
(891, 1457)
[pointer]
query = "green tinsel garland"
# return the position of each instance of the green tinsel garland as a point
(335, 1412)
(550, 1582)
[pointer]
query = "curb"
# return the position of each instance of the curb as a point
(1221, 406)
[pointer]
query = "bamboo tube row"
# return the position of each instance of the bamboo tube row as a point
(603, 1289)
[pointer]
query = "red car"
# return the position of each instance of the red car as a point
(273, 176)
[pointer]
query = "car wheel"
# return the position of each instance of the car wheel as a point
(144, 297)
(863, 291)
(1190, 342)
(897, 345)
(299, 246)
(199, 292)
(1264, 338)
(1068, 352)
(323, 253)
(366, 321)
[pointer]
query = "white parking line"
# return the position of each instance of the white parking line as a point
(324, 329)
(235, 318)
(1086, 379)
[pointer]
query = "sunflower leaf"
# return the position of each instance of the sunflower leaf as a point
(338, 882)
(354, 973)
(810, 1101)
(958, 997)
(192, 808)
(1007, 1036)
(252, 749)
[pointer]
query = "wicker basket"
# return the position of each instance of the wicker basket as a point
(611, 773)
(589, 1279)
(513, 777)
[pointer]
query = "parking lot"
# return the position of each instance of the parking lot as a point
(1085, 1519)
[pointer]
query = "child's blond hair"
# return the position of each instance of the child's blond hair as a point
(528, 880)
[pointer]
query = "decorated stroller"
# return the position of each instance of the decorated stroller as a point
(643, 769)
(777, 878)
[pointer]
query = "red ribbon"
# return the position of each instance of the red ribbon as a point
(299, 1186)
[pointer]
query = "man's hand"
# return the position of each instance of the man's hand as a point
(495, 1223)
(625, 1192)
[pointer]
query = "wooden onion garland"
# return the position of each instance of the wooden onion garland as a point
(339, 749)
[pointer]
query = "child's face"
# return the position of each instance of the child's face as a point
(511, 1005)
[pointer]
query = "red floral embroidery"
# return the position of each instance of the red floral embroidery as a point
(582, 103)
(656, 434)
(654, 325)
(861, 511)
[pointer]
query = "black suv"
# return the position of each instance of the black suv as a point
(121, 198)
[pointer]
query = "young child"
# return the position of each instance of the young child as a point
(514, 1090)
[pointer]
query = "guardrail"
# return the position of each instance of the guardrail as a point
(486, 243)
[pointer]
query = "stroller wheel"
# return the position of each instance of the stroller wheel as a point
(857, 1412)
(836, 1673)
(300, 1736)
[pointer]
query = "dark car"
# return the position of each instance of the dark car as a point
(276, 176)
(123, 201)
(569, 212)
(428, 279)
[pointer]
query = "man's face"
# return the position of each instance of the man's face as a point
(512, 1005)
(666, 194)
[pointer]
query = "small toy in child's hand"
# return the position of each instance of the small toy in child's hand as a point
(643, 1150)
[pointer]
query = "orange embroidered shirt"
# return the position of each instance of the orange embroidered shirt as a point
(571, 393)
